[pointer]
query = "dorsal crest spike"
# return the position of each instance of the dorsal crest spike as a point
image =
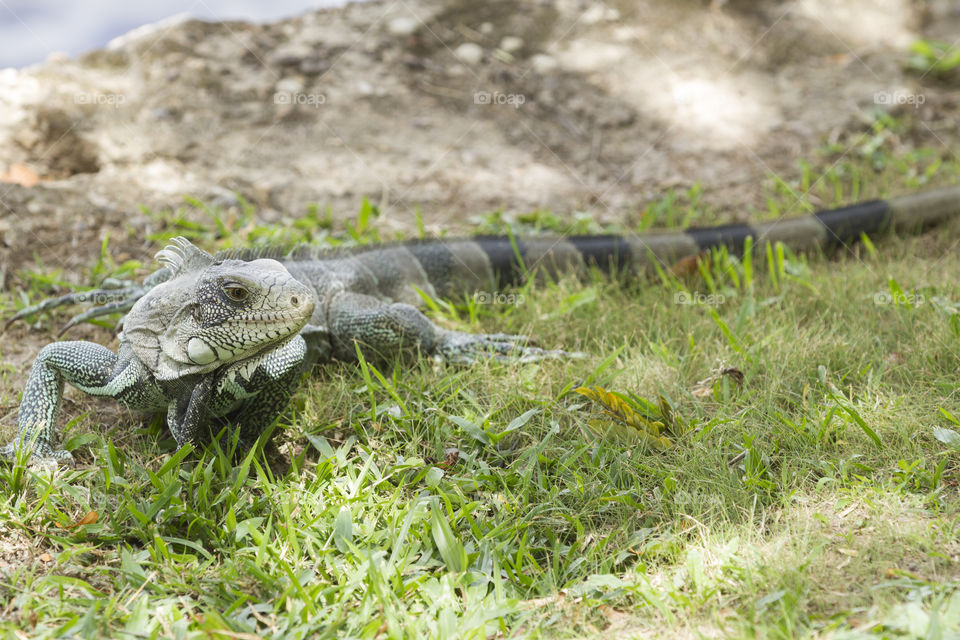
(181, 256)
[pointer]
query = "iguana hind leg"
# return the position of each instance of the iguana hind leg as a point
(384, 330)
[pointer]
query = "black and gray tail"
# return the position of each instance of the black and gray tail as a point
(470, 264)
(454, 267)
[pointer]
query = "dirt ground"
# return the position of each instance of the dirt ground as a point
(449, 106)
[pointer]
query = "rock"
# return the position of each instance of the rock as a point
(469, 53)
(599, 13)
(147, 31)
(27, 137)
(414, 63)
(403, 26)
(543, 63)
(222, 198)
(314, 65)
(60, 147)
(289, 85)
(161, 114)
(289, 55)
(511, 44)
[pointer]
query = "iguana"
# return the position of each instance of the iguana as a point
(225, 338)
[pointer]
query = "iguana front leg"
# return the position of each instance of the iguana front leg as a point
(384, 330)
(249, 394)
(90, 367)
(190, 412)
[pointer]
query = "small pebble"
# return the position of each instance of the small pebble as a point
(403, 26)
(470, 53)
(543, 63)
(511, 44)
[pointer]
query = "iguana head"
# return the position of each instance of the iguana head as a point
(211, 313)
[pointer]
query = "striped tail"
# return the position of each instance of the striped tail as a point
(470, 264)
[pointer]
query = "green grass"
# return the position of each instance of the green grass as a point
(425, 500)
(934, 57)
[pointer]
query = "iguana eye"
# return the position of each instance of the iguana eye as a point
(237, 294)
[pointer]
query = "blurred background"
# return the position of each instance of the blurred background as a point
(33, 29)
(455, 116)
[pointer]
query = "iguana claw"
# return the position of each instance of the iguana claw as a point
(42, 453)
(103, 310)
(114, 296)
(111, 301)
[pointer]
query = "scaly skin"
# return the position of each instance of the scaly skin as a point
(215, 341)
(188, 348)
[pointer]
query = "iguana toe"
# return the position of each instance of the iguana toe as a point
(42, 454)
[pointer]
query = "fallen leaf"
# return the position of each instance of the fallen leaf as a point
(704, 388)
(627, 424)
(91, 517)
(688, 266)
(843, 514)
(449, 460)
(734, 373)
(701, 390)
(20, 174)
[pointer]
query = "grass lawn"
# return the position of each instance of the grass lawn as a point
(808, 486)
